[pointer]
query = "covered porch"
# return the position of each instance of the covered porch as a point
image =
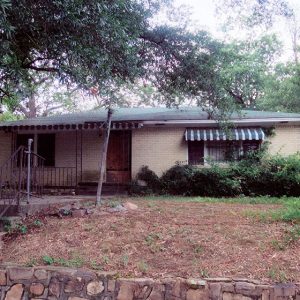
(71, 156)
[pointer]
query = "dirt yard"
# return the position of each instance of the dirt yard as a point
(163, 238)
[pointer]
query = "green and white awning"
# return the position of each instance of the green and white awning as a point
(213, 134)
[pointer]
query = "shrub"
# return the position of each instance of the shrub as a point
(274, 176)
(255, 175)
(151, 180)
(215, 182)
(177, 180)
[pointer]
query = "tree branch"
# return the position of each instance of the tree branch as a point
(44, 69)
(48, 110)
(235, 96)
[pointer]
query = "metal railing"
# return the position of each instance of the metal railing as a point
(60, 177)
(14, 182)
(11, 177)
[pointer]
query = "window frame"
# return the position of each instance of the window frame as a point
(240, 149)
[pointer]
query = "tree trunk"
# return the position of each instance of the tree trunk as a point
(103, 157)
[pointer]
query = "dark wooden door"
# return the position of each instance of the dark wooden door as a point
(118, 166)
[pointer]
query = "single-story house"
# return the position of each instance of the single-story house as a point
(156, 137)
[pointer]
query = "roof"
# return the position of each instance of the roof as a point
(143, 114)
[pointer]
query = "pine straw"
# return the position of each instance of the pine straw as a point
(165, 238)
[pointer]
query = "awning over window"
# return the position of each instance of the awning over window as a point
(213, 134)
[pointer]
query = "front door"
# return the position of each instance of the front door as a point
(118, 166)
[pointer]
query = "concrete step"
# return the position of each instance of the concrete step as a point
(90, 188)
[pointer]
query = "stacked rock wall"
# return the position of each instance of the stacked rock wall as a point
(53, 283)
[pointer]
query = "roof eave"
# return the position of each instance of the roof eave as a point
(214, 122)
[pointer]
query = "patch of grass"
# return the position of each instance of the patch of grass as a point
(151, 238)
(204, 273)
(95, 266)
(75, 262)
(184, 231)
(151, 241)
(289, 213)
(31, 263)
(198, 249)
(240, 200)
(143, 266)
(88, 204)
(113, 203)
(125, 260)
(276, 274)
(38, 223)
(48, 260)
(105, 259)
(277, 245)
(15, 229)
(290, 237)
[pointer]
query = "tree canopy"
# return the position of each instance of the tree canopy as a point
(115, 49)
(104, 44)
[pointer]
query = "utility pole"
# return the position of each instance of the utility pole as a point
(104, 156)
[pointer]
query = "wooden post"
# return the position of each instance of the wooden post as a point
(29, 169)
(103, 157)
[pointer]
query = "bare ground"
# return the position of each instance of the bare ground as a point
(165, 238)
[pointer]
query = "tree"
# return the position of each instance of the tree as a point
(41, 96)
(282, 89)
(253, 13)
(245, 65)
(105, 44)
(278, 85)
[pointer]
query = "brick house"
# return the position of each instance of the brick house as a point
(156, 137)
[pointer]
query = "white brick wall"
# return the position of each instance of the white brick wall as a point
(286, 140)
(158, 148)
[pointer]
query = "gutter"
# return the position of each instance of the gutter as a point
(269, 121)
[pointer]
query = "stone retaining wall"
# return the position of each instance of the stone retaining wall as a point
(54, 283)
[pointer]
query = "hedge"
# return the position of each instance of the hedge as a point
(253, 176)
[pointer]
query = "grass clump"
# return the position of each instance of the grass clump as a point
(143, 266)
(75, 262)
(276, 274)
(290, 212)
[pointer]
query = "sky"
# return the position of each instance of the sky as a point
(203, 15)
(203, 12)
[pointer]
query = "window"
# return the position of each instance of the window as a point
(223, 150)
(250, 146)
(196, 152)
(219, 151)
(22, 140)
(45, 146)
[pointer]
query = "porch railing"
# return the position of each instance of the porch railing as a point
(13, 178)
(60, 177)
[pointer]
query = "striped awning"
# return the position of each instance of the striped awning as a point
(213, 134)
